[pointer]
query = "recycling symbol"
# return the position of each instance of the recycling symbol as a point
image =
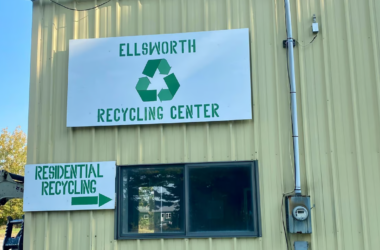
(171, 82)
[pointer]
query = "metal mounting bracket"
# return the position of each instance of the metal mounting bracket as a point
(285, 43)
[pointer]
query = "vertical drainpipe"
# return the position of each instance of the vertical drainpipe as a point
(293, 97)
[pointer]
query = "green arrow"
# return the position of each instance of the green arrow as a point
(84, 200)
(90, 200)
(145, 94)
(173, 85)
(164, 67)
(103, 200)
(148, 95)
(152, 65)
(165, 95)
(143, 83)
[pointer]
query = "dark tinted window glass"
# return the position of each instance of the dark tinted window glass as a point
(152, 200)
(220, 198)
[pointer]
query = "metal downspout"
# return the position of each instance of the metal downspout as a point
(293, 97)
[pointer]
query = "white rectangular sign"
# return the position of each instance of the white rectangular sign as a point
(153, 79)
(69, 186)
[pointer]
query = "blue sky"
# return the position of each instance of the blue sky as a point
(15, 42)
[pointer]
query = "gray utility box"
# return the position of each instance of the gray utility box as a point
(301, 245)
(297, 210)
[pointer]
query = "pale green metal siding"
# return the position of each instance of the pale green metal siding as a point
(338, 83)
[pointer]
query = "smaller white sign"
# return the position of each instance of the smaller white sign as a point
(69, 186)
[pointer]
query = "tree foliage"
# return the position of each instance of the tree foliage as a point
(12, 159)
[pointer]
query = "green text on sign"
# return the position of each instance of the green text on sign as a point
(157, 48)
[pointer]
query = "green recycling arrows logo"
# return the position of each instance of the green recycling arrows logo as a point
(171, 82)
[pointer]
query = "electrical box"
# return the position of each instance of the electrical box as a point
(297, 210)
(315, 28)
(314, 25)
(301, 245)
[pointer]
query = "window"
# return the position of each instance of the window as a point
(188, 200)
(151, 191)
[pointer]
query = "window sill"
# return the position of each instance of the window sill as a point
(190, 236)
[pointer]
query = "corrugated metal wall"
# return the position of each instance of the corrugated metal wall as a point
(338, 81)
